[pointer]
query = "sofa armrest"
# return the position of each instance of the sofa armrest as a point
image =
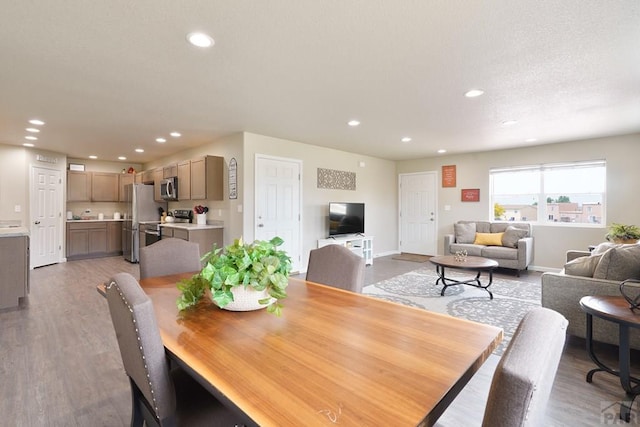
(448, 240)
(571, 255)
(525, 252)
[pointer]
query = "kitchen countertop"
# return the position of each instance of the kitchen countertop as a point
(13, 231)
(190, 226)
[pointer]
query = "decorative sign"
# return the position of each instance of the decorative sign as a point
(470, 194)
(233, 178)
(449, 176)
(47, 159)
(336, 180)
(76, 167)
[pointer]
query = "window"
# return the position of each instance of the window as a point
(561, 193)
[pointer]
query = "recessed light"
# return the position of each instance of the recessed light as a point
(34, 130)
(161, 140)
(353, 123)
(122, 158)
(31, 138)
(473, 93)
(28, 144)
(93, 157)
(200, 39)
(531, 140)
(175, 134)
(509, 122)
(139, 150)
(442, 151)
(36, 122)
(406, 139)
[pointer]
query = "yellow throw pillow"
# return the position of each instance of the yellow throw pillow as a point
(488, 239)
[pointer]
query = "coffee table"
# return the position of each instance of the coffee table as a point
(474, 263)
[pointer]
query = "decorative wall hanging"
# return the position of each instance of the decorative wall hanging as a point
(449, 176)
(470, 195)
(336, 180)
(233, 178)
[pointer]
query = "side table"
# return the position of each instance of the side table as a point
(614, 309)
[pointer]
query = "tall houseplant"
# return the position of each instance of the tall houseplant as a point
(260, 266)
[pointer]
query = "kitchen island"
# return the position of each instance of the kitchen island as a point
(14, 265)
(205, 235)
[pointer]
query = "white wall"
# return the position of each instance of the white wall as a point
(551, 241)
(14, 183)
(376, 186)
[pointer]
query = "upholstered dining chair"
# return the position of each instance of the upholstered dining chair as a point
(336, 266)
(523, 378)
(169, 256)
(160, 396)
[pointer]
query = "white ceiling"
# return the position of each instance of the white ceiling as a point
(108, 77)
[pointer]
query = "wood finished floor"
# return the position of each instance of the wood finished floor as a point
(60, 364)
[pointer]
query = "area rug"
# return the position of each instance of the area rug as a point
(411, 257)
(511, 298)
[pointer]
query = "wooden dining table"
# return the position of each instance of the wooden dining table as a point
(333, 358)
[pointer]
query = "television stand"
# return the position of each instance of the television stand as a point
(359, 244)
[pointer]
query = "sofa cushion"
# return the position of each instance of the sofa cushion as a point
(465, 233)
(512, 235)
(472, 250)
(619, 263)
(604, 247)
(584, 266)
(488, 239)
(499, 252)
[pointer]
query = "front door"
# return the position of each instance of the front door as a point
(46, 216)
(278, 203)
(418, 223)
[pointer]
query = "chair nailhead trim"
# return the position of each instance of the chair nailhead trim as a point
(153, 397)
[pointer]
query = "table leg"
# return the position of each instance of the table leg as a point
(626, 379)
(601, 367)
(452, 282)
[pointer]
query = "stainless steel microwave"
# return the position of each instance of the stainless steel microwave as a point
(169, 189)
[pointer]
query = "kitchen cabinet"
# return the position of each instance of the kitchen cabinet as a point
(124, 179)
(170, 171)
(114, 237)
(158, 176)
(104, 187)
(78, 186)
(207, 178)
(14, 270)
(93, 239)
(184, 180)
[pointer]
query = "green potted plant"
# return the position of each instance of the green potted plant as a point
(242, 271)
(620, 233)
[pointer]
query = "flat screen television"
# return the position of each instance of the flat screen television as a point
(346, 218)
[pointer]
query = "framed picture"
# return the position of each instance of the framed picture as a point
(470, 194)
(449, 176)
(76, 167)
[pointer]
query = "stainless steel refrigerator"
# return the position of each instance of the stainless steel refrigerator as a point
(140, 207)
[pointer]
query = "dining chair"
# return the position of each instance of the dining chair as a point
(336, 266)
(169, 256)
(523, 377)
(160, 396)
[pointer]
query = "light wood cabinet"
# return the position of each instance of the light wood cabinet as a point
(184, 180)
(138, 179)
(170, 171)
(158, 176)
(104, 187)
(93, 239)
(14, 270)
(207, 178)
(78, 186)
(124, 179)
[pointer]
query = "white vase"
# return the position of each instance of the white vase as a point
(247, 299)
(201, 219)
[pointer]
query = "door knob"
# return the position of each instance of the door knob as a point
(37, 222)
(260, 225)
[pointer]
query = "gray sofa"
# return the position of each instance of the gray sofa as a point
(562, 291)
(514, 250)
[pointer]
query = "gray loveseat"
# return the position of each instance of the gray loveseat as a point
(512, 249)
(592, 273)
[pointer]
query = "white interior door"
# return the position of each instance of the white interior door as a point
(46, 216)
(418, 223)
(278, 203)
